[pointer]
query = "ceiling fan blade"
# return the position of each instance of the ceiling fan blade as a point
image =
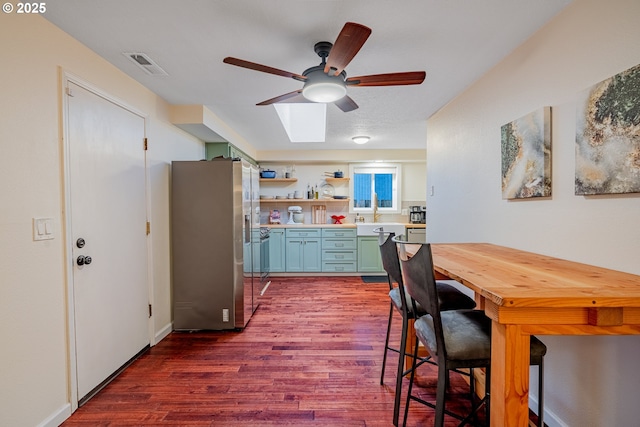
(346, 104)
(391, 79)
(264, 68)
(347, 45)
(289, 97)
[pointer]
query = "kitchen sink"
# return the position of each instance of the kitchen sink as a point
(366, 228)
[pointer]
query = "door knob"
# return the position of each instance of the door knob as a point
(83, 260)
(80, 242)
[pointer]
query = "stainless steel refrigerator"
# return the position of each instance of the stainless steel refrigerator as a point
(215, 243)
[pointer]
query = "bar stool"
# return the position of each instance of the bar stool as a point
(450, 298)
(457, 338)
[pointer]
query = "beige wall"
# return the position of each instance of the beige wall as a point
(33, 310)
(590, 381)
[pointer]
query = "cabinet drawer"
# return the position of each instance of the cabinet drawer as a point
(302, 232)
(342, 232)
(338, 267)
(333, 255)
(330, 243)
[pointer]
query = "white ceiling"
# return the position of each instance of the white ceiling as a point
(454, 41)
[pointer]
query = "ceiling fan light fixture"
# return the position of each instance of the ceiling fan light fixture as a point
(324, 92)
(360, 139)
(320, 87)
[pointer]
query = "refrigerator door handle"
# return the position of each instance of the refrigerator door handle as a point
(247, 228)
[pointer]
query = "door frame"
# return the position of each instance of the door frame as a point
(65, 77)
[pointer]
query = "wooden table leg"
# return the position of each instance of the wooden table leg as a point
(509, 376)
(410, 344)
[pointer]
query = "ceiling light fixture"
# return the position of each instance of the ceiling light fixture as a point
(321, 87)
(360, 139)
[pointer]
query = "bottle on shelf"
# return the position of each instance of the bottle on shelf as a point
(309, 192)
(316, 193)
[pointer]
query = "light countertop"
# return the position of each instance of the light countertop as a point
(347, 225)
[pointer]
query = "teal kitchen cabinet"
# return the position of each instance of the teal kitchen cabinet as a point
(339, 250)
(369, 259)
(225, 149)
(277, 250)
(303, 250)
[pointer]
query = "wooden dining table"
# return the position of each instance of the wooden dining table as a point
(526, 293)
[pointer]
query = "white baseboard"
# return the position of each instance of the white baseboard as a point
(58, 417)
(64, 412)
(550, 418)
(162, 333)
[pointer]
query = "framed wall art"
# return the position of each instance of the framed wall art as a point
(526, 156)
(608, 136)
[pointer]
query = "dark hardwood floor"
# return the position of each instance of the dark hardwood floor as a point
(311, 355)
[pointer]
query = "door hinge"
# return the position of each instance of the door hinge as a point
(146, 144)
(69, 93)
(150, 310)
(148, 228)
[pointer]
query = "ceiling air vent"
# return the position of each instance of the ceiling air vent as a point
(147, 64)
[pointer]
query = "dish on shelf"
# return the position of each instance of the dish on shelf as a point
(340, 197)
(281, 197)
(327, 191)
(266, 197)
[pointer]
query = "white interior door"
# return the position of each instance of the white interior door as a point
(106, 173)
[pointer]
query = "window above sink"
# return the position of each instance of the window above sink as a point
(373, 181)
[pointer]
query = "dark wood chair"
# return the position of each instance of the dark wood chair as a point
(457, 339)
(451, 298)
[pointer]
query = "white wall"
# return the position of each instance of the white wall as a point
(590, 381)
(33, 310)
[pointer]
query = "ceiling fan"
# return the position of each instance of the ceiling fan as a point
(328, 81)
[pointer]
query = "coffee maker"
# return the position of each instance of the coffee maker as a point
(417, 214)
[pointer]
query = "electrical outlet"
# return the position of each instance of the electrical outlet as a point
(405, 212)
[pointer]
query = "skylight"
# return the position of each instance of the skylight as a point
(303, 122)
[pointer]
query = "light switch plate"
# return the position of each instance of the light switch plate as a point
(43, 229)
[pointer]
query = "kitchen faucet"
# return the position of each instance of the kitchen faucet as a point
(376, 215)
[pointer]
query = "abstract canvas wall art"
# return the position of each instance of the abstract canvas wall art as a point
(608, 136)
(526, 156)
